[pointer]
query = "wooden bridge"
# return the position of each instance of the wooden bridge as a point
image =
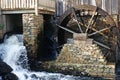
(27, 6)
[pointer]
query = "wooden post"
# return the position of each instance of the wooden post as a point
(36, 7)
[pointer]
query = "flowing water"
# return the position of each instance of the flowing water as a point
(14, 53)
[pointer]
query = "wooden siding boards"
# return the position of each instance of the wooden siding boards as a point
(15, 4)
(119, 6)
(114, 6)
(110, 6)
(29, 6)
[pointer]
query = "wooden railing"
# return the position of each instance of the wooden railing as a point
(17, 4)
(27, 4)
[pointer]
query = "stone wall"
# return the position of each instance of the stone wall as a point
(80, 58)
(85, 57)
(32, 26)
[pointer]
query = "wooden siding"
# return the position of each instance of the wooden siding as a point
(50, 4)
(17, 4)
(110, 6)
(36, 5)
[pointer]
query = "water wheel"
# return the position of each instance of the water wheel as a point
(93, 21)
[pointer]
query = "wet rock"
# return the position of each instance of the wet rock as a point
(33, 76)
(0, 78)
(5, 72)
(10, 76)
(4, 68)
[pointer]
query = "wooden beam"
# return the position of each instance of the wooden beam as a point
(68, 30)
(24, 11)
(36, 7)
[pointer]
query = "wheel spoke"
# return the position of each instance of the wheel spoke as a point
(102, 45)
(91, 19)
(95, 19)
(98, 31)
(81, 19)
(95, 30)
(66, 29)
(77, 21)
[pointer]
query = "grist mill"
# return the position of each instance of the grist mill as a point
(73, 36)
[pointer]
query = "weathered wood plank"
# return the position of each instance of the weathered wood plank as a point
(36, 7)
(111, 6)
(26, 4)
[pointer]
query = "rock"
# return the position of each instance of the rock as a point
(10, 76)
(0, 77)
(4, 68)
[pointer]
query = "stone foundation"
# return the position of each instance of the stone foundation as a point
(81, 53)
(93, 70)
(81, 58)
(85, 57)
(32, 26)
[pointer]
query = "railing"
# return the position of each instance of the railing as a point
(27, 4)
(111, 6)
(17, 4)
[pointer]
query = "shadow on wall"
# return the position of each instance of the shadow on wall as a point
(47, 46)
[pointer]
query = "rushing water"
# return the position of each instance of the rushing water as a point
(14, 53)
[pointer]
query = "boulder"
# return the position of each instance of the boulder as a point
(4, 68)
(10, 76)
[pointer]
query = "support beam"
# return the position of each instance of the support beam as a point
(102, 45)
(66, 29)
(36, 7)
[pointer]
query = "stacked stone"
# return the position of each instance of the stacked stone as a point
(81, 53)
(90, 69)
(32, 26)
(83, 56)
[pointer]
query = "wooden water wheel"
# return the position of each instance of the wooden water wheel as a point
(94, 22)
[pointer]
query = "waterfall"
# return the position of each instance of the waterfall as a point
(14, 53)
